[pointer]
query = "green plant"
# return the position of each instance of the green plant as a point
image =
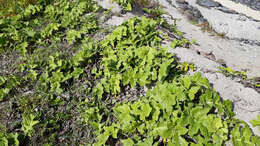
(230, 72)
(7, 83)
(185, 67)
(51, 39)
(9, 139)
(252, 82)
(129, 56)
(183, 112)
(28, 123)
(179, 43)
(179, 110)
(24, 31)
(127, 4)
(84, 91)
(242, 135)
(256, 122)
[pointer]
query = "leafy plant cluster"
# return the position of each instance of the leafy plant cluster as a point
(7, 83)
(180, 110)
(58, 71)
(130, 55)
(7, 139)
(22, 30)
(71, 89)
(55, 50)
(184, 112)
(60, 19)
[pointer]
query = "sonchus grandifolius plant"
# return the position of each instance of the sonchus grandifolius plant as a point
(179, 110)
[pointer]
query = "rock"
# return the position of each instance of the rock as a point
(254, 4)
(180, 1)
(106, 4)
(116, 20)
(207, 3)
(229, 24)
(240, 8)
(226, 10)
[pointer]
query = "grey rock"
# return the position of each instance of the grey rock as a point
(207, 3)
(254, 4)
(226, 10)
(229, 24)
(106, 4)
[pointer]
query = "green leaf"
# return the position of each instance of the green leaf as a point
(128, 142)
(28, 123)
(102, 139)
(236, 137)
(181, 130)
(77, 72)
(145, 111)
(111, 130)
(3, 140)
(194, 128)
(163, 130)
(193, 91)
(129, 7)
(256, 122)
(187, 82)
(229, 107)
(72, 35)
(147, 142)
(3, 93)
(246, 133)
(2, 80)
(9, 139)
(199, 112)
(123, 112)
(163, 71)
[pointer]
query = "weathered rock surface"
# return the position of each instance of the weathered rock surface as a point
(234, 26)
(254, 4)
(241, 8)
(237, 55)
(208, 3)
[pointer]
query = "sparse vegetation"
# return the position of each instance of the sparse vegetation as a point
(251, 82)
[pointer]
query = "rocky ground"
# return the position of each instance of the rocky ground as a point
(224, 37)
(254, 4)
